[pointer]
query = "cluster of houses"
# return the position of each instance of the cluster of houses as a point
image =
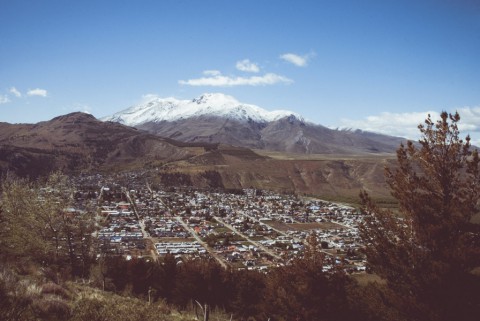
(120, 232)
(162, 227)
(179, 248)
(248, 229)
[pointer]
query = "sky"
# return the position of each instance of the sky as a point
(375, 65)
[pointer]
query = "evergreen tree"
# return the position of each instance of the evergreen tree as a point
(249, 293)
(303, 291)
(428, 250)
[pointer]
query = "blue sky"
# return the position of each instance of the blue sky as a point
(376, 65)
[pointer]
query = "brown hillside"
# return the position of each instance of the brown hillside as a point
(78, 141)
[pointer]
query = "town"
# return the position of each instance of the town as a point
(242, 229)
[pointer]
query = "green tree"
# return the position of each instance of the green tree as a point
(169, 277)
(39, 225)
(23, 237)
(301, 290)
(427, 252)
(249, 293)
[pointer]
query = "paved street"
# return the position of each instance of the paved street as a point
(201, 242)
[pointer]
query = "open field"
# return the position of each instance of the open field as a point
(314, 226)
(292, 156)
(366, 278)
(173, 239)
(302, 226)
(278, 225)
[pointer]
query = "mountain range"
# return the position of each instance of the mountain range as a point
(222, 143)
(76, 142)
(219, 118)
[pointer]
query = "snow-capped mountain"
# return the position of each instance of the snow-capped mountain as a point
(219, 118)
(156, 109)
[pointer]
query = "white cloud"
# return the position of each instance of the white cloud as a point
(4, 99)
(406, 124)
(297, 60)
(149, 97)
(37, 92)
(395, 124)
(219, 80)
(247, 66)
(15, 92)
(82, 108)
(212, 73)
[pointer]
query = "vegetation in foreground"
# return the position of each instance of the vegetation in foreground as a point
(428, 256)
(425, 258)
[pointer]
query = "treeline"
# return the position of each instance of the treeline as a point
(299, 291)
(211, 178)
(175, 179)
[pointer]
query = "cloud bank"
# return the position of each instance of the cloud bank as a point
(218, 80)
(406, 124)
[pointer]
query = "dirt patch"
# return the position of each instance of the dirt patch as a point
(173, 239)
(315, 226)
(366, 278)
(475, 219)
(278, 225)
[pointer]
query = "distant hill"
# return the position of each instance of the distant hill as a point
(218, 118)
(79, 141)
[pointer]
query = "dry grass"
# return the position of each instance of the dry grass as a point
(476, 219)
(55, 289)
(292, 156)
(314, 226)
(476, 271)
(367, 278)
(52, 308)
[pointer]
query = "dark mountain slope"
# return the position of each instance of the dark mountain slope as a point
(78, 141)
(288, 134)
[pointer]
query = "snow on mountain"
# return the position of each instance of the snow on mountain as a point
(156, 109)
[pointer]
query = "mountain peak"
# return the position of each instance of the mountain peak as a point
(75, 117)
(215, 99)
(156, 109)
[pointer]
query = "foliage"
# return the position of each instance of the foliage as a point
(175, 179)
(38, 225)
(116, 308)
(427, 254)
(213, 178)
(14, 303)
(302, 291)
